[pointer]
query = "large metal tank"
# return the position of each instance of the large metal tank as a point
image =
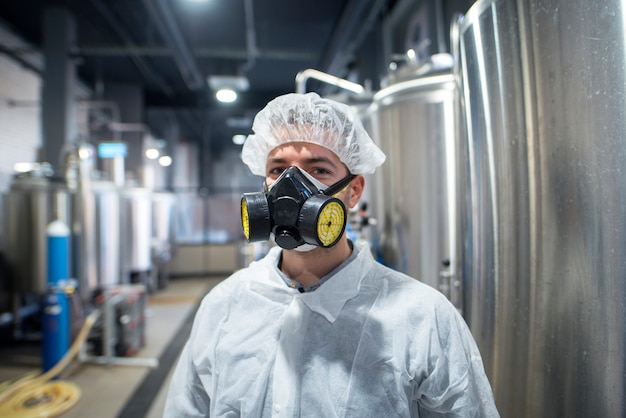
(415, 122)
(544, 88)
(33, 201)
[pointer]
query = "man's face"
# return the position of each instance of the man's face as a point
(316, 160)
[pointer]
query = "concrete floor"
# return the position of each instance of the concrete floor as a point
(120, 391)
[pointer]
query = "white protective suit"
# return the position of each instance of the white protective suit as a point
(370, 342)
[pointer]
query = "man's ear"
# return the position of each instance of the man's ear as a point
(356, 190)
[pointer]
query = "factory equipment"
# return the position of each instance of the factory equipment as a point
(136, 238)
(114, 243)
(163, 236)
(415, 122)
(120, 330)
(33, 201)
(107, 216)
(544, 88)
(40, 196)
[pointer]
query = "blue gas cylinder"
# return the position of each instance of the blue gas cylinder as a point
(56, 328)
(56, 309)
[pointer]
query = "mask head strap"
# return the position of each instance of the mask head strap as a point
(337, 187)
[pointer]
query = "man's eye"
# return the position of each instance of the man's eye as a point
(320, 172)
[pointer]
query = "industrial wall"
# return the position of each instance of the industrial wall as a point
(20, 136)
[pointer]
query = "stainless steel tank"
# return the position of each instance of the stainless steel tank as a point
(108, 240)
(163, 204)
(136, 231)
(544, 88)
(415, 122)
(32, 202)
(163, 236)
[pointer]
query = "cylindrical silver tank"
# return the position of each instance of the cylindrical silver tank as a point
(32, 202)
(544, 85)
(163, 226)
(107, 219)
(136, 230)
(163, 236)
(415, 122)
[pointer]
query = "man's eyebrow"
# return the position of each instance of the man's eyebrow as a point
(276, 160)
(314, 160)
(311, 160)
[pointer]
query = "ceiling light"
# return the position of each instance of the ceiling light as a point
(226, 95)
(226, 87)
(152, 153)
(165, 161)
(24, 167)
(239, 139)
(85, 153)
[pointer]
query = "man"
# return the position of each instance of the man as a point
(318, 328)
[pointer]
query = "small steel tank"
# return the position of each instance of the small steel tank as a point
(163, 234)
(107, 219)
(136, 233)
(33, 201)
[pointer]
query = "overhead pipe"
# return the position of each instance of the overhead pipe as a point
(303, 76)
(400, 9)
(250, 35)
(157, 51)
(131, 49)
(340, 46)
(168, 28)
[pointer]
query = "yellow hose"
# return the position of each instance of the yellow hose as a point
(37, 397)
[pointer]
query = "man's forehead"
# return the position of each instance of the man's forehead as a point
(303, 150)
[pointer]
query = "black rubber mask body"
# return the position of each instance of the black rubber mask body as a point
(295, 211)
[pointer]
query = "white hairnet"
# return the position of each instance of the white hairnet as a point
(309, 118)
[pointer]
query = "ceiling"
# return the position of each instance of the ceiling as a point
(170, 47)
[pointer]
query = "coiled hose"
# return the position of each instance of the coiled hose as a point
(34, 397)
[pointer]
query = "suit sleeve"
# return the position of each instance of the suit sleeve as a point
(455, 384)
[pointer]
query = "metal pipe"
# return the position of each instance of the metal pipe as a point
(141, 64)
(250, 35)
(128, 127)
(303, 76)
(355, 22)
(157, 51)
(169, 30)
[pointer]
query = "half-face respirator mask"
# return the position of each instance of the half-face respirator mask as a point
(297, 209)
